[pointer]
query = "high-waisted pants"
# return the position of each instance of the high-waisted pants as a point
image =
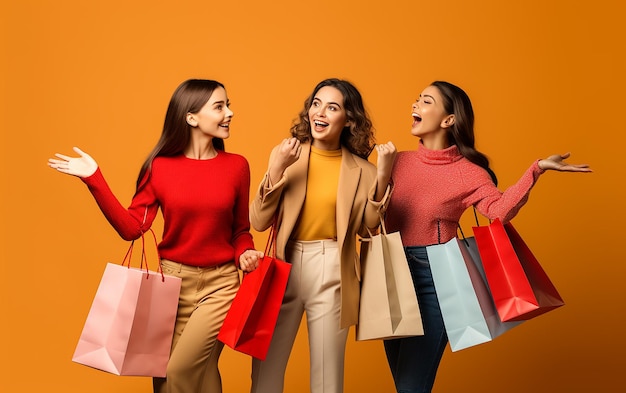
(313, 288)
(205, 297)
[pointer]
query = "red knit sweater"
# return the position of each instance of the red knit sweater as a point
(433, 188)
(204, 205)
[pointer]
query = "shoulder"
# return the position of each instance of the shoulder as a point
(161, 163)
(234, 161)
(405, 160)
(167, 160)
(362, 162)
(473, 173)
(405, 154)
(366, 166)
(233, 157)
(405, 157)
(467, 165)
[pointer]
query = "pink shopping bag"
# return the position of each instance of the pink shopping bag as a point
(130, 325)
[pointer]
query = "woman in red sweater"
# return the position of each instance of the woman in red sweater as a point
(203, 193)
(433, 186)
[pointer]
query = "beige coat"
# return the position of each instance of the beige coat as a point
(357, 185)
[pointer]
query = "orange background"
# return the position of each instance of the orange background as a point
(544, 77)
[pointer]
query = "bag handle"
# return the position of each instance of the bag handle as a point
(383, 228)
(144, 257)
(270, 246)
(477, 224)
(381, 224)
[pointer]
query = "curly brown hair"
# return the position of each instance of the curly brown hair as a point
(358, 137)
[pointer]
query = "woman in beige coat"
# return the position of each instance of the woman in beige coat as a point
(316, 189)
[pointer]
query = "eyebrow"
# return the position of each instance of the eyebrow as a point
(219, 102)
(429, 96)
(330, 102)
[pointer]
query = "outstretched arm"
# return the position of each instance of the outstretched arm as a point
(82, 166)
(505, 205)
(130, 222)
(557, 162)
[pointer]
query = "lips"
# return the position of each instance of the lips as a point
(319, 126)
(416, 118)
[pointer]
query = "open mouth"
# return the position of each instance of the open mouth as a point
(416, 119)
(225, 125)
(320, 124)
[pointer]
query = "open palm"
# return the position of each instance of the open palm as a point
(557, 162)
(82, 166)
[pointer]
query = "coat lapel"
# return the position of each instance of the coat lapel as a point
(349, 178)
(297, 178)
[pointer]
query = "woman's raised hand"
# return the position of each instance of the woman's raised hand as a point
(288, 153)
(557, 162)
(386, 156)
(82, 166)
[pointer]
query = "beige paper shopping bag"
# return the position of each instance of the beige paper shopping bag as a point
(388, 307)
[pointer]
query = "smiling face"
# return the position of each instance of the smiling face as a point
(430, 119)
(328, 118)
(213, 119)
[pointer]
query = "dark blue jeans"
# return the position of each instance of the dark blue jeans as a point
(414, 360)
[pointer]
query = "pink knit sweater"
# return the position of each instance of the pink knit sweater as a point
(433, 188)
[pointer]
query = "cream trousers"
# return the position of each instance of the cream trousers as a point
(313, 288)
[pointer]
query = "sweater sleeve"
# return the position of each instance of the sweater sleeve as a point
(379, 206)
(266, 200)
(493, 203)
(242, 238)
(129, 223)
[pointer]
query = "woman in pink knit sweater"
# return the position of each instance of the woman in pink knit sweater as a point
(432, 188)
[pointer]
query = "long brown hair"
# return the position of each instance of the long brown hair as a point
(461, 134)
(358, 137)
(189, 97)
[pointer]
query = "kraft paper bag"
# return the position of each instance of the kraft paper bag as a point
(388, 307)
(468, 310)
(520, 287)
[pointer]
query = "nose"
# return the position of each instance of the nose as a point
(229, 113)
(320, 111)
(414, 106)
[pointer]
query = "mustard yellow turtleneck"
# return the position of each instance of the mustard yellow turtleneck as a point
(317, 219)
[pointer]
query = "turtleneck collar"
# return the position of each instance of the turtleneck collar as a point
(438, 157)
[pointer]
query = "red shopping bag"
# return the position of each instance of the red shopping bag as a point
(520, 287)
(130, 325)
(250, 322)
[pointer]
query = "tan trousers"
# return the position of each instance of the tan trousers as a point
(313, 287)
(205, 297)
